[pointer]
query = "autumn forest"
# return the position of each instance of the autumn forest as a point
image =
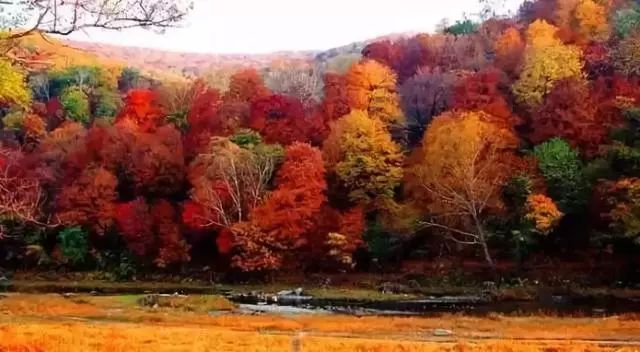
(506, 141)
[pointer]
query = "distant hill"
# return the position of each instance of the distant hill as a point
(190, 64)
(40, 50)
(45, 51)
(196, 64)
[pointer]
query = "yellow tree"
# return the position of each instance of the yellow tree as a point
(546, 61)
(457, 176)
(591, 20)
(540, 33)
(371, 87)
(364, 157)
(13, 88)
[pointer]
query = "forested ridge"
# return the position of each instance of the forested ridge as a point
(515, 139)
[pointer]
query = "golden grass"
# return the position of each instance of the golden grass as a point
(78, 337)
(92, 323)
(45, 305)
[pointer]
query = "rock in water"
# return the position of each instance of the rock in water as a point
(442, 332)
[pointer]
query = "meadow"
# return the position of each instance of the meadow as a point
(209, 323)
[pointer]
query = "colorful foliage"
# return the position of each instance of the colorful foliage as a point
(509, 49)
(424, 96)
(364, 157)
(156, 162)
(371, 87)
(492, 117)
(140, 111)
(458, 174)
(229, 181)
(172, 248)
(623, 200)
(258, 252)
(246, 86)
(385, 52)
(289, 211)
(563, 172)
(591, 18)
(89, 200)
(542, 211)
(76, 104)
(570, 112)
(13, 88)
(480, 91)
(135, 225)
(546, 61)
(626, 55)
(279, 118)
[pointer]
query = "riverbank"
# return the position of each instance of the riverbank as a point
(283, 298)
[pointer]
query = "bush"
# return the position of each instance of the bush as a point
(74, 244)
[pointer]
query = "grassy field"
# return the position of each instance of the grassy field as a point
(207, 323)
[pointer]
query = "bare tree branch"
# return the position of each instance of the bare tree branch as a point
(63, 17)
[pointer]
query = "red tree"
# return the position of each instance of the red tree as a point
(172, 248)
(597, 61)
(21, 194)
(279, 118)
(156, 163)
(89, 200)
(141, 111)
(480, 91)
(135, 225)
(385, 52)
(352, 225)
(289, 211)
(569, 112)
(246, 86)
(204, 120)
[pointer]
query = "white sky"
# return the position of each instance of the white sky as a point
(259, 26)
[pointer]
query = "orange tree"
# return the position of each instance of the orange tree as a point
(371, 87)
(458, 174)
(282, 223)
(509, 48)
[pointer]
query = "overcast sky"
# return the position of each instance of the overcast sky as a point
(259, 26)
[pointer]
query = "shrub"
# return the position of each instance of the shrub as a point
(74, 244)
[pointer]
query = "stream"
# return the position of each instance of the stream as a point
(256, 303)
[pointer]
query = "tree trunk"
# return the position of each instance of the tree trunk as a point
(487, 255)
(483, 243)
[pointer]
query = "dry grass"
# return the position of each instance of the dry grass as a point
(45, 305)
(86, 323)
(78, 337)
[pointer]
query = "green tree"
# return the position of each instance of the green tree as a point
(76, 104)
(564, 174)
(130, 78)
(465, 26)
(626, 21)
(108, 103)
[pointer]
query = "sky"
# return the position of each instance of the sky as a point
(262, 26)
